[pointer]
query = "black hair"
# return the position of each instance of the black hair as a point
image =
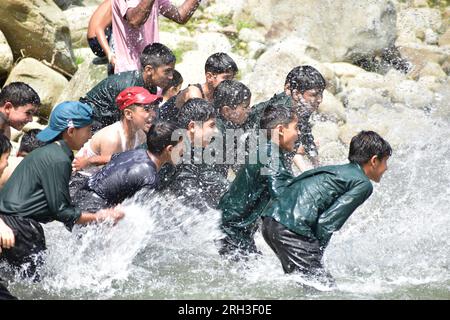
(174, 82)
(305, 78)
(29, 142)
(156, 55)
(275, 114)
(19, 94)
(230, 93)
(367, 144)
(159, 136)
(195, 109)
(220, 62)
(5, 144)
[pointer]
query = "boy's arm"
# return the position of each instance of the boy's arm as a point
(277, 177)
(138, 15)
(111, 213)
(7, 239)
(107, 148)
(55, 182)
(335, 216)
(105, 21)
(183, 13)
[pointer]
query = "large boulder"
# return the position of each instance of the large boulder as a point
(47, 82)
(6, 57)
(364, 98)
(86, 77)
(342, 30)
(272, 67)
(332, 108)
(413, 94)
(415, 24)
(78, 18)
(38, 29)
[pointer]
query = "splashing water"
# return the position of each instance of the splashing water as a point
(395, 246)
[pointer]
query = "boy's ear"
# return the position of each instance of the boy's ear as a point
(209, 76)
(148, 69)
(128, 114)
(8, 106)
(191, 126)
(225, 110)
(279, 129)
(287, 89)
(373, 160)
(169, 149)
(70, 131)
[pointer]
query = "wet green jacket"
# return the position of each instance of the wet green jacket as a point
(102, 98)
(318, 202)
(39, 187)
(253, 187)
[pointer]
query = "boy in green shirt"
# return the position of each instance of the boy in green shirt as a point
(256, 183)
(299, 223)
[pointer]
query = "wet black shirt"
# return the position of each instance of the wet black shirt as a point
(126, 173)
(102, 98)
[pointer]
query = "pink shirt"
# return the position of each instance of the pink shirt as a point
(130, 42)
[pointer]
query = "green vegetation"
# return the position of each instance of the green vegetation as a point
(245, 24)
(224, 20)
(439, 3)
(79, 60)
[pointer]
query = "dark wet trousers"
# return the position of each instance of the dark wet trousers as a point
(4, 293)
(296, 253)
(27, 253)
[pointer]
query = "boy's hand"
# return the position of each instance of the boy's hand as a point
(7, 239)
(115, 214)
(80, 163)
(301, 150)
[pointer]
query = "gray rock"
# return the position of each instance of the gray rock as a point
(6, 57)
(47, 82)
(38, 29)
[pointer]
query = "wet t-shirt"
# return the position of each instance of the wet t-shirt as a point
(127, 173)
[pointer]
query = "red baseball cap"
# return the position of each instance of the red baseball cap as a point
(135, 95)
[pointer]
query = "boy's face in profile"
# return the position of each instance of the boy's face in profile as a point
(204, 132)
(159, 76)
(215, 79)
(20, 116)
(377, 168)
(80, 136)
(142, 116)
(237, 115)
(310, 100)
(290, 136)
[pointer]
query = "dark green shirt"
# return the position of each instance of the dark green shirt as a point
(254, 185)
(39, 187)
(318, 202)
(102, 98)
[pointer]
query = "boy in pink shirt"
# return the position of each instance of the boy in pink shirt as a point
(135, 25)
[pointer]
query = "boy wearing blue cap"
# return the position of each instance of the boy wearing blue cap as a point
(38, 190)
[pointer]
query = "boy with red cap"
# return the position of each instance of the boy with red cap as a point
(138, 109)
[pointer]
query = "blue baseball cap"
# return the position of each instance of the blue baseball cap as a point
(69, 114)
